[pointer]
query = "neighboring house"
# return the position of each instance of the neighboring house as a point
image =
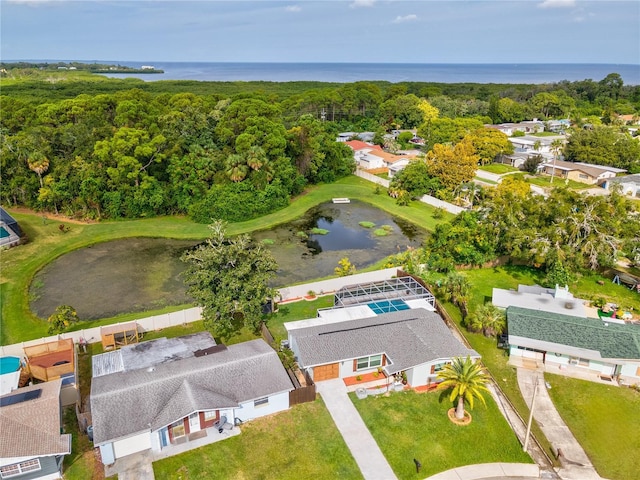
(415, 341)
(579, 172)
(516, 159)
(398, 166)
(530, 143)
(363, 136)
(629, 184)
(31, 443)
(534, 297)
(509, 129)
(566, 344)
(10, 231)
(558, 126)
(160, 393)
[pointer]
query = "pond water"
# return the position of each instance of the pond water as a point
(138, 274)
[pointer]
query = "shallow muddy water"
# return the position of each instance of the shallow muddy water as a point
(138, 274)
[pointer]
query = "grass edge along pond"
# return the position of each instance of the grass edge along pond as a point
(408, 425)
(301, 442)
(47, 242)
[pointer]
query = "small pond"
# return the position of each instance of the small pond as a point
(137, 274)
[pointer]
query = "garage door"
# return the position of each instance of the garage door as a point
(326, 372)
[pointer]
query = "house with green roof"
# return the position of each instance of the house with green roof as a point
(584, 347)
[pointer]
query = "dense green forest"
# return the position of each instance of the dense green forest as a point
(114, 148)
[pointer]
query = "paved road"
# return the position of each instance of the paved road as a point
(363, 447)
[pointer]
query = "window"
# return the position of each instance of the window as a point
(178, 429)
(20, 468)
(584, 176)
(583, 362)
(369, 362)
(437, 367)
(210, 415)
(261, 401)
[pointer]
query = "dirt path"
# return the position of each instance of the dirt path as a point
(51, 216)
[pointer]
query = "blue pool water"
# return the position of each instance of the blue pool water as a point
(386, 306)
(4, 233)
(9, 364)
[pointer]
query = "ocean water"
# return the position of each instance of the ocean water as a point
(391, 72)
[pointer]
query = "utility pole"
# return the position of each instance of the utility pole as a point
(533, 401)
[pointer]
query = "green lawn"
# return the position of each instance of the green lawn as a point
(498, 168)
(300, 443)
(46, 242)
(545, 181)
(407, 425)
(604, 419)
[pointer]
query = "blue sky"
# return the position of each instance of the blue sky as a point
(499, 31)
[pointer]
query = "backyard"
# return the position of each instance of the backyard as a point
(47, 242)
(408, 425)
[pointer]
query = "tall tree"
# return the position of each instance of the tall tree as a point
(453, 166)
(229, 278)
(467, 381)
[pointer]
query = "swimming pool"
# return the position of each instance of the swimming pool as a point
(386, 306)
(4, 233)
(9, 364)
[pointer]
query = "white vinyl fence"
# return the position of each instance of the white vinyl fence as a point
(428, 199)
(182, 317)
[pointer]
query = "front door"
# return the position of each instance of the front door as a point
(194, 422)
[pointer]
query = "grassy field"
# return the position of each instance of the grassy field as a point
(545, 182)
(299, 443)
(407, 425)
(47, 242)
(498, 168)
(604, 419)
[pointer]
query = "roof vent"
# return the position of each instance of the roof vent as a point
(151, 369)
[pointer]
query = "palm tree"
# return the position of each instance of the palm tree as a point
(466, 379)
(237, 168)
(488, 319)
(39, 164)
(256, 157)
(457, 288)
(556, 148)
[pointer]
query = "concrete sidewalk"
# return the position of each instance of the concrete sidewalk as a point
(575, 462)
(363, 447)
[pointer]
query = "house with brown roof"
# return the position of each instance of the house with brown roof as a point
(31, 443)
(578, 172)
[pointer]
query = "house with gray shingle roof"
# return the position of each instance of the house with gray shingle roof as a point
(568, 344)
(168, 392)
(415, 341)
(31, 443)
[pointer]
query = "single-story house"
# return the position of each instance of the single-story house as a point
(530, 143)
(629, 184)
(579, 172)
(398, 166)
(156, 394)
(415, 341)
(534, 297)
(31, 443)
(10, 231)
(363, 136)
(566, 344)
(525, 127)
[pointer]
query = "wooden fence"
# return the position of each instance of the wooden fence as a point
(303, 394)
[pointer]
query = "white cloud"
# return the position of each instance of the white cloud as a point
(405, 18)
(557, 4)
(293, 8)
(362, 3)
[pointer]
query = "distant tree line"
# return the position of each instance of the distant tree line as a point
(234, 150)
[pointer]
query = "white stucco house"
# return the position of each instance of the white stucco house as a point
(382, 328)
(160, 393)
(629, 184)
